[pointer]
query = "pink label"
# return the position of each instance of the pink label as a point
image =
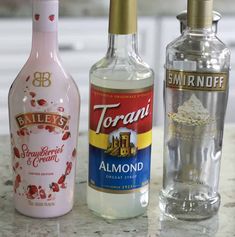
(44, 127)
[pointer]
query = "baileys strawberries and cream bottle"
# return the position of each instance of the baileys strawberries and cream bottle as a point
(44, 108)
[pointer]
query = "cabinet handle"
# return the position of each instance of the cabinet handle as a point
(67, 47)
(231, 44)
(71, 47)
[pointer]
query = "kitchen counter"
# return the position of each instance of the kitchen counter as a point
(81, 222)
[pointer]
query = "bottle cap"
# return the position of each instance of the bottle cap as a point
(182, 17)
(123, 17)
(200, 13)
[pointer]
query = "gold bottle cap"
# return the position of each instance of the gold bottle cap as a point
(123, 17)
(200, 13)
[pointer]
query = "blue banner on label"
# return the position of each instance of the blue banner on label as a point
(116, 173)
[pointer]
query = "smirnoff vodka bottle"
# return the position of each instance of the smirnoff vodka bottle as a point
(44, 111)
(196, 93)
(121, 100)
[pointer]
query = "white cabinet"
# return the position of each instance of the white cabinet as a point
(227, 35)
(82, 43)
(169, 30)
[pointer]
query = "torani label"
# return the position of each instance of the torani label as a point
(120, 139)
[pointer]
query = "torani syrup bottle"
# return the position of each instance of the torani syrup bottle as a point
(44, 112)
(196, 94)
(121, 101)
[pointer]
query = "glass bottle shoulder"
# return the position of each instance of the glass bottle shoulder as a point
(120, 72)
(45, 79)
(205, 51)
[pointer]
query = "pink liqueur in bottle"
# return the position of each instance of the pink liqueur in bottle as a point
(44, 106)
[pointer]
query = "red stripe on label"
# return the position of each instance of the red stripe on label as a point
(110, 110)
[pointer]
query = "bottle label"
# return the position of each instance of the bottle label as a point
(196, 81)
(44, 140)
(120, 139)
(45, 15)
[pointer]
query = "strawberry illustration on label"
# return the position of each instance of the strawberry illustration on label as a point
(68, 168)
(32, 191)
(55, 187)
(16, 186)
(74, 153)
(18, 178)
(40, 126)
(36, 17)
(42, 102)
(17, 182)
(27, 79)
(63, 186)
(33, 103)
(25, 131)
(66, 136)
(16, 152)
(42, 194)
(32, 94)
(52, 17)
(61, 179)
(22, 132)
(61, 109)
(17, 165)
(66, 127)
(50, 128)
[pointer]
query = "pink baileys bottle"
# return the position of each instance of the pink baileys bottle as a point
(44, 106)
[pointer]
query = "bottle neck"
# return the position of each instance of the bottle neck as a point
(122, 46)
(45, 29)
(200, 32)
(199, 14)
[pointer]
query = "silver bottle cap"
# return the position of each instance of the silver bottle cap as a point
(182, 17)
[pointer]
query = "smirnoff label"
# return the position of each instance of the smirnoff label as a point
(120, 139)
(197, 81)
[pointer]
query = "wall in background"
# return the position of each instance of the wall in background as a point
(79, 53)
(19, 8)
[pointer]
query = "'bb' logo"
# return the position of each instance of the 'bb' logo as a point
(42, 79)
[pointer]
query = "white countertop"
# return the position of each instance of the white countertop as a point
(81, 222)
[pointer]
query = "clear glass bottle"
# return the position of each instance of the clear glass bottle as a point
(44, 107)
(195, 97)
(121, 100)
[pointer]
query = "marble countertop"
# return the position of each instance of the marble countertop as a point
(81, 222)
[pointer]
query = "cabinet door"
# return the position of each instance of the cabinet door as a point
(169, 30)
(226, 32)
(15, 44)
